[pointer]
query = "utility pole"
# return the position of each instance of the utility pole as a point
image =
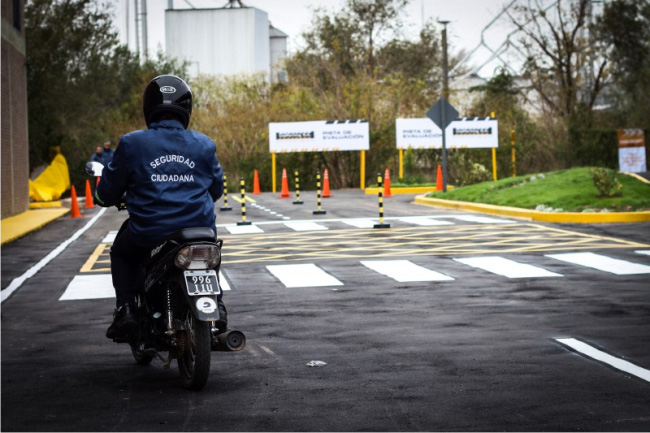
(145, 33)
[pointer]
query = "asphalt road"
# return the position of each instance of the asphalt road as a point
(473, 350)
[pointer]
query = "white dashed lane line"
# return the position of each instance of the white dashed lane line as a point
(599, 355)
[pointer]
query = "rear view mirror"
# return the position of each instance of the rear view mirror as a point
(94, 168)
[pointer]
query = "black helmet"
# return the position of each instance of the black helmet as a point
(167, 94)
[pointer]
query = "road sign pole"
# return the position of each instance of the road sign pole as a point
(444, 151)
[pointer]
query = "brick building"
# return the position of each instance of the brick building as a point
(15, 146)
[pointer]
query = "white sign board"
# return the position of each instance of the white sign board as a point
(631, 150)
(319, 136)
(471, 133)
(632, 159)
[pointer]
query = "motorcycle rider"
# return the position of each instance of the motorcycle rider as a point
(171, 177)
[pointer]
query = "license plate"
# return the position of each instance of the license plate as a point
(201, 283)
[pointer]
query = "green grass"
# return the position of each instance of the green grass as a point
(569, 190)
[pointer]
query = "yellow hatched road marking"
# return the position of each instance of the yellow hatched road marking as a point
(412, 241)
(94, 259)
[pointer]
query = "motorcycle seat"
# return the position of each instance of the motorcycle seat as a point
(193, 234)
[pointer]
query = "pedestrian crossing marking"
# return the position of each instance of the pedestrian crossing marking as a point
(360, 223)
(506, 267)
(424, 221)
(89, 287)
(602, 263)
(404, 271)
(646, 252)
(303, 275)
(305, 226)
(101, 287)
(244, 229)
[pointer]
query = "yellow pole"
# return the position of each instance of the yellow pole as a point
(273, 169)
(494, 157)
(514, 160)
(401, 163)
(363, 169)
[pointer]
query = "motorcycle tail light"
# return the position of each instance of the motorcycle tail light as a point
(198, 257)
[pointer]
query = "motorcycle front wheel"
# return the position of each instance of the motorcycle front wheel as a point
(194, 360)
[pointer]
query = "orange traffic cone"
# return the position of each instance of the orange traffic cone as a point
(387, 184)
(97, 183)
(74, 206)
(285, 184)
(439, 179)
(89, 196)
(326, 185)
(256, 183)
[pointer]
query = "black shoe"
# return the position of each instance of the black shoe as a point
(222, 323)
(125, 322)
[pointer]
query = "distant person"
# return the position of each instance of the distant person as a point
(98, 156)
(107, 153)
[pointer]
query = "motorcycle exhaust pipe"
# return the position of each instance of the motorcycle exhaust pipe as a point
(229, 341)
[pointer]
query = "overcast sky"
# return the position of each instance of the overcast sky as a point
(468, 18)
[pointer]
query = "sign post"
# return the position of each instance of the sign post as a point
(442, 114)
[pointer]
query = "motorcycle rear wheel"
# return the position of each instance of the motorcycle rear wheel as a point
(194, 361)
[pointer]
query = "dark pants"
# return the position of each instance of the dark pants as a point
(126, 257)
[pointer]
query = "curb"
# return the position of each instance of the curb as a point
(19, 225)
(551, 217)
(407, 190)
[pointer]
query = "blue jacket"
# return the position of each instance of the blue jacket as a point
(107, 155)
(171, 176)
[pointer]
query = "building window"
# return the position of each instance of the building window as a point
(17, 14)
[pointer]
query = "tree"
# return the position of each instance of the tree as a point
(624, 27)
(83, 86)
(564, 61)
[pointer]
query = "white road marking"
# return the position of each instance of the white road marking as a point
(17, 282)
(482, 220)
(304, 275)
(646, 252)
(404, 271)
(89, 287)
(424, 221)
(360, 223)
(602, 263)
(306, 226)
(506, 267)
(223, 282)
(110, 237)
(369, 222)
(601, 356)
(243, 230)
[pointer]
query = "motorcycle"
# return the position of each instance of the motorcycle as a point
(177, 305)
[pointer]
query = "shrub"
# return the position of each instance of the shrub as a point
(605, 182)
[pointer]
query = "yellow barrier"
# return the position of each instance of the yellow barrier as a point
(53, 182)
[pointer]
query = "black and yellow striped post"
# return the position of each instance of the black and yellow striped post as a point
(225, 194)
(380, 196)
(297, 200)
(319, 211)
(242, 187)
